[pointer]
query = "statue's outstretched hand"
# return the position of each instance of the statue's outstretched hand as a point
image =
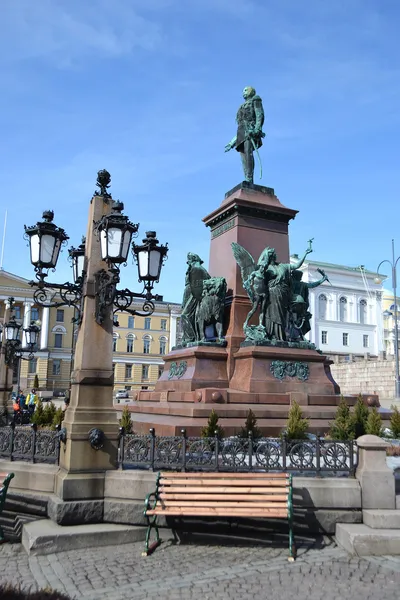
(228, 147)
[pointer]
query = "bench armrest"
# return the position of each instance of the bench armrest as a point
(148, 504)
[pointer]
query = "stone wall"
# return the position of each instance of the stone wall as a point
(366, 376)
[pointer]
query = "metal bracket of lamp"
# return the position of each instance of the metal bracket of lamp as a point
(9, 338)
(116, 232)
(45, 241)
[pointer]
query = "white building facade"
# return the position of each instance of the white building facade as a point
(347, 312)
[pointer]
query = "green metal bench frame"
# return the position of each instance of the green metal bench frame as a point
(3, 495)
(152, 500)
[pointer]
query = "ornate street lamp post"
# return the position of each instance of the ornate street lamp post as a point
(91, 421)
(10, 342)
(393, 266)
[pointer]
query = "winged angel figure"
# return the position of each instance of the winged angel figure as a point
(268, 285)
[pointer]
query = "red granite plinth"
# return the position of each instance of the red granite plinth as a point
(253, 372)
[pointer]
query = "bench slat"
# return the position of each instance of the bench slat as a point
(221, 512)
(281, 497)
(233, 475)
(227, 504)
(227, 482)
(221, 490)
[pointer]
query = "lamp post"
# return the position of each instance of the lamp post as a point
(90, 421)
(393, 266)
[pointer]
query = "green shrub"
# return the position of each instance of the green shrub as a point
(374, 423)
(58, 417)
(48, 414)
(297, 425)
(126, 420)
(359, 417)
(250, 426)
(212, 426)
(342, 428)
(37, 417)
(36, 382)
(395, 422)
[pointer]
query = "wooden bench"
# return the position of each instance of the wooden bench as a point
(266, 495)
(3, 493)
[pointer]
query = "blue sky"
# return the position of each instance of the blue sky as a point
(149, 90)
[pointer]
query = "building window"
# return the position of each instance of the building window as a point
(163, 345)
(365, 341)
(345, 339)
(324, 337)
(160, 370)
(128, 371)
(131, 322)
(17, 312)
(147, 323)
(322, 306)
(129, 343)
(32, 366)
(58, 339)
(34, 314)
(363, 311)
(164, 324)
(60, 315)
(56, 366)
(343, 309)
(146, 345)
(145, 371)
(115, 343)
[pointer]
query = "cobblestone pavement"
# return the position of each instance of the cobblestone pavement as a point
(206, 572)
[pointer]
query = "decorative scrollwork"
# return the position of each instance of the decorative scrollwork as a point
(168, 450)
(234, 452)
(335, 456)
(200, 451)
(136, 448)
(281, 369)
(268, 453)
(23, 440)
(301, 455)
(5, 441)
(46, 443)
(125, 298)
(177, 370)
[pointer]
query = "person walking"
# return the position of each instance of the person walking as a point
(32, 401)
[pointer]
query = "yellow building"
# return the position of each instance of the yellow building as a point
(139, 342)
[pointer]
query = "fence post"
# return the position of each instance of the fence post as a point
(318, 454)
(250, 450)
(284, 451)
(12, 439)
(375, 477)
(152, 447)
(216, 439)
(183, 432)
(121, 447)
(34, 429)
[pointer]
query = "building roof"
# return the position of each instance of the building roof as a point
(340, 267)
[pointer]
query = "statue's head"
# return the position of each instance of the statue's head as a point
(297, 274)
(192, 258)
(248, 92)
(268, 257)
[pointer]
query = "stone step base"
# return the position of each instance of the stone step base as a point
(46, 537)
(362, 540)
(382, 519)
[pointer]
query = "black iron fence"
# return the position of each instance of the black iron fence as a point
(313, 455)
(30, 444)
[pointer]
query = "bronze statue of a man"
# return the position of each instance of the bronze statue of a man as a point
(250, 119)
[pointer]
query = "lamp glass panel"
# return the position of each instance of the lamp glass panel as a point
(47, 244)
(34, 242)
(56, 251)
(80, 261)
(103, 243)
(114, 242)
(154, 263)
(125, 244)
(143, 263)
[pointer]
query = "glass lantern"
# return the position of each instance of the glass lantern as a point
(77, 256)
(32, 334)
(45, 241)
(11, 330)
(149, 257)
(116, 233)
